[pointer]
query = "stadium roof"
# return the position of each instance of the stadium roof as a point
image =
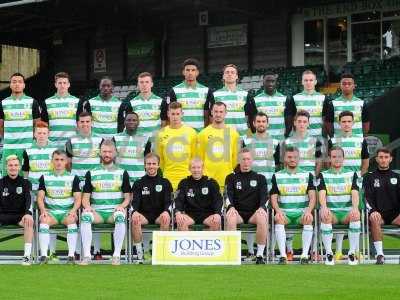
(37, 24)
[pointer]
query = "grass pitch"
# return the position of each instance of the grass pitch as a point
(159, 282)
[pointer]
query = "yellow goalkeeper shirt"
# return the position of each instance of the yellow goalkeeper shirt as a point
(218, 148)
(176, 147)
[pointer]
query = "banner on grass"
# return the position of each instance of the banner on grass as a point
(196, 248)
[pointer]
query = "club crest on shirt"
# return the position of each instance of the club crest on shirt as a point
(393, 180)
(253, 183)
(158, 188)
(19, 190)
(204, 191)
(376, 183)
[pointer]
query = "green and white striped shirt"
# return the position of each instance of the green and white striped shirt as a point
(107, 187)
(37, 161)
(130, 157)
(355, 105)
(264, 151)
(338, 187)
(352, 147)
(105, 116)
(235, 102)
(274, 107)
(292, 189)
(149, 113)
(85, 152)
(59, 190)
(193, 102)
(310, 149)
(312, 103)
(61, 112)
(19, 114)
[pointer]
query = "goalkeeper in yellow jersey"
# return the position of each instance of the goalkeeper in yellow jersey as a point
(218, 146)
(175, 144)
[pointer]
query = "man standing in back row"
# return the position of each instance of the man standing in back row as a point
(196, 99)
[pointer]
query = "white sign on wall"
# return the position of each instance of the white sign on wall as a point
(227, 36)
(99, 62)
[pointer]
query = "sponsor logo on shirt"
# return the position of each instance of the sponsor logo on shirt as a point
(145, 191)
(377, 183)
(238, 185)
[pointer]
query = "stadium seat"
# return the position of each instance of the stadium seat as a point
(14, 231)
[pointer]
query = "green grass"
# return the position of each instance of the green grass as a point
(156, 282)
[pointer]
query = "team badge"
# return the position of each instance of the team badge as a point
(204, 191)
(19, 190)
(393, 180)
(238, 185)
(253, 183)
(158, 188)
(376, 183)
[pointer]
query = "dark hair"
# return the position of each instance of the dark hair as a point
(219, 103)
(260, 114)
(346, 113)
(270, 73)
(191, 62)
(291, 149)
(61, 75)
(132, 113)
(302, 113)
(334, 148)
(347, 75)
(17, 74)
(59, 152)
(84, 114)
(384, 150)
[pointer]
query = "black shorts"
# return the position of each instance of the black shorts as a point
(199, 218)
(246, 215)
(10, 219)
(389, 215)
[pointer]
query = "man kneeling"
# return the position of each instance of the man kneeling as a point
(106, 195)
(199, 200)
(58, 198)
(338, 197)
(247, 194)
(151, 201)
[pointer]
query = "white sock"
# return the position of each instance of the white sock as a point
(139, 250)
(119, 235)
(78, 243)
(86, 233)
(146, 241)
(339, 242)
(44, 238)
(53, 243)
(354, 236)
(260, 250)
(250, 238)
(96, 242)
(27, 249)
(327, 236)
(306, 239)
(281, 238)
(72, 237)
(289, 242)
(378, 247)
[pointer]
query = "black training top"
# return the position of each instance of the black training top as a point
(151, 195)
(382, 190)
(198, 196)
(15, 196)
